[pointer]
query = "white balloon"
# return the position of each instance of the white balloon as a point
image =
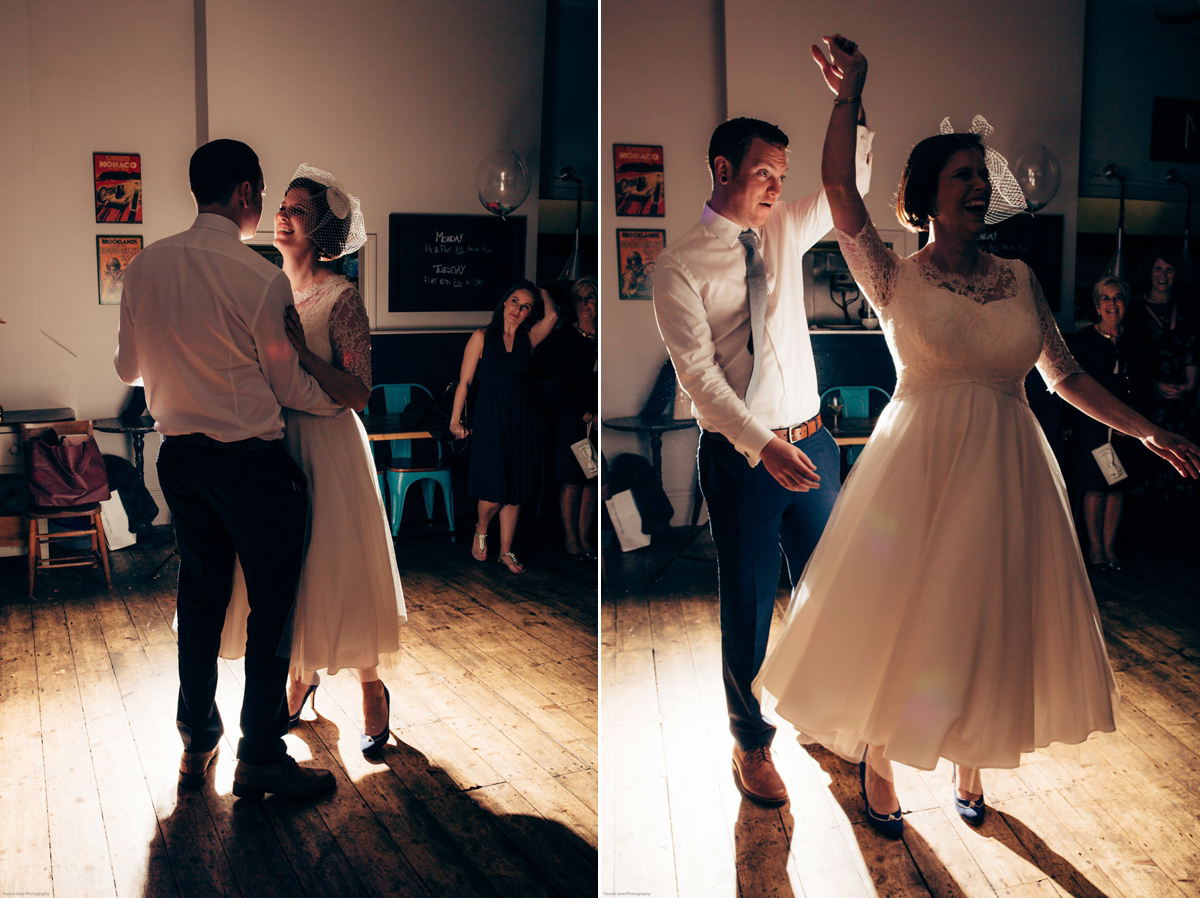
(502, 181)
(1036, 170)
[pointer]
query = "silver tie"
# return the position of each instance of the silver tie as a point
(756, 288)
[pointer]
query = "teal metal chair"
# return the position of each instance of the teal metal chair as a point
(404, 469)
(856, 403)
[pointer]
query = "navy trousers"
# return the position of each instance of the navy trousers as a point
(752, 518)
(252, 503)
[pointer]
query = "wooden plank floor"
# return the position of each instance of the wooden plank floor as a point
(489, 786)
(1118, 816)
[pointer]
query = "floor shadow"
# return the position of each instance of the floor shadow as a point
(762, 847)
(407, 829)
(890, 872)
(932, 872)
(1020, 839)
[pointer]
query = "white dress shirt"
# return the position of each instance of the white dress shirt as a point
(700, 301)
(202, 328)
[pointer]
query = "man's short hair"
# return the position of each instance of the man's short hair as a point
(219, 167)
(732, 140)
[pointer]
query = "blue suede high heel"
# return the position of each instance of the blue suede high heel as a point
(890, 826)
(972, 812)
(294, 719)
(369, 743)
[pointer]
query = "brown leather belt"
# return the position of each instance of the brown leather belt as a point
(800, 431)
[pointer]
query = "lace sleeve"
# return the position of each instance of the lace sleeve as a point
(350, 335)
(1056, 363)
(871, 262)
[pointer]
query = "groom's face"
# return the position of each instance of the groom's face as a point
(752, 191)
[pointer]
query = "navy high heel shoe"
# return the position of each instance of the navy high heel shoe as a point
(972, 812)
(890, 826)
(369, 743)
(294, 719)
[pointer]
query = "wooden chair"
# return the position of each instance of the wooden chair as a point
(97, 555)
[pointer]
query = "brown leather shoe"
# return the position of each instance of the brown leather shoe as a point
(285, 778)
(755, 775)
(194, 766)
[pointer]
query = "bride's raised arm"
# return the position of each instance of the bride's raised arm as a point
(847, 68)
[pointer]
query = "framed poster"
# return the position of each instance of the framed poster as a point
(637, 251)
(118, 183)
(113, 254)
(638, 175)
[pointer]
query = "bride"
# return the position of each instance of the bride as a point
(946, 612)
(349, 603)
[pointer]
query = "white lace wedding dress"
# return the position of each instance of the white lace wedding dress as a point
(349, 604)
(946, 612)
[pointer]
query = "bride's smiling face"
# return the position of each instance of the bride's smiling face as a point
(963, 191)
(294, 219)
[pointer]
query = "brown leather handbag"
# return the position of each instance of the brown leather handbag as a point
(63, 473)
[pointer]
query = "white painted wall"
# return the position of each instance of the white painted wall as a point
(78, 81)
(660, 84)
(400, 101)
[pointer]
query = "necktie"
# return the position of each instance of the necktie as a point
(756, 288)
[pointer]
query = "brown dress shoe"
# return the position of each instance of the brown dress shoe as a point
(194, 765)
(755, 775)
(285, 778)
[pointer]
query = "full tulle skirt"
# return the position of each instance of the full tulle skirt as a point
(946, 612)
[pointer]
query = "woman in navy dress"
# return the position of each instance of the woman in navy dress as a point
(506, 453)
(572, 398)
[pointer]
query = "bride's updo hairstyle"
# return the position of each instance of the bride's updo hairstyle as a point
(918, 185)
(338, 226)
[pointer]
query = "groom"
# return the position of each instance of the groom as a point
(729, 299)
(202, 327)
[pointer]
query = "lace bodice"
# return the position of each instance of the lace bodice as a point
(944, 329)
(336, 326)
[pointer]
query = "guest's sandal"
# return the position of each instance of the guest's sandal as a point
(509, 560)
(479, 549)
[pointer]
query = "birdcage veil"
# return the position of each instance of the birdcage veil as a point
(1007, 196)
(338, 228)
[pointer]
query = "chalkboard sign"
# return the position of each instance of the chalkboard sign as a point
(452, 263)
(1037, 240)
